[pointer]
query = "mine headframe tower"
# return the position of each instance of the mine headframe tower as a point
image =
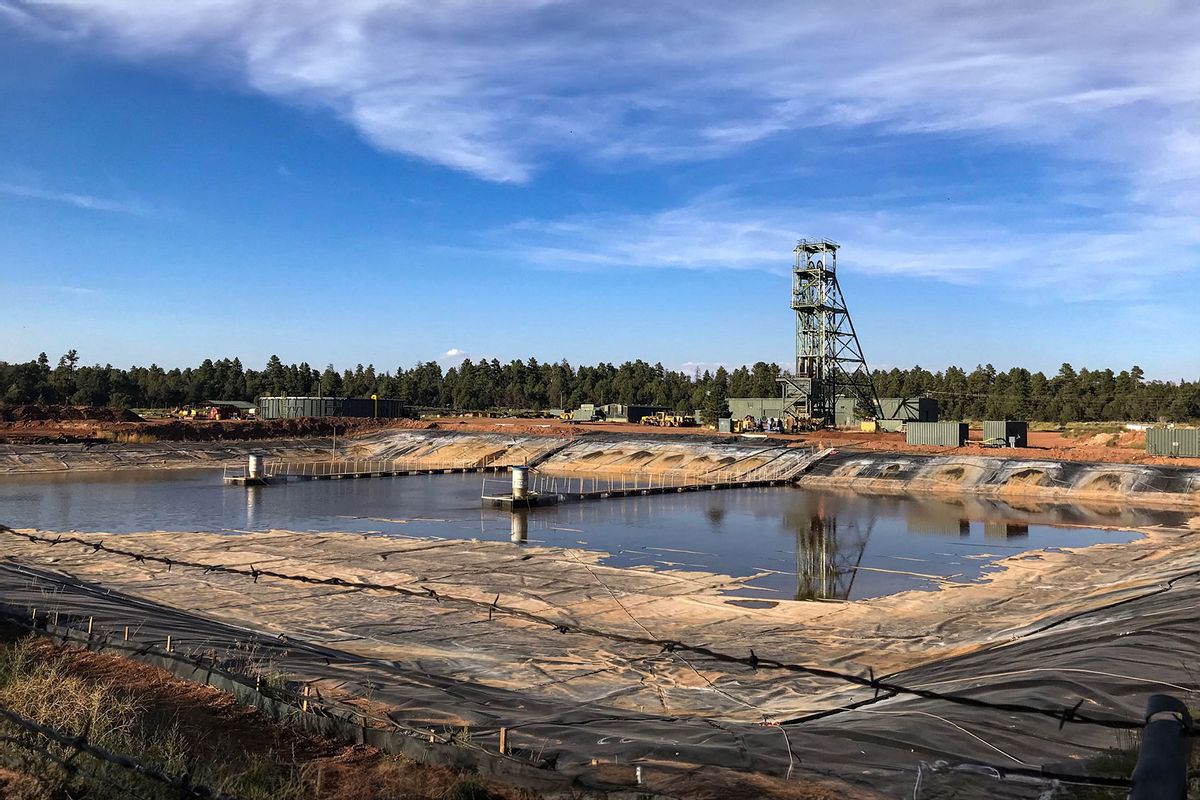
(829, 358)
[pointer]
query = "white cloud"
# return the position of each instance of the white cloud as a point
(1100, 260)
(454, 352)
(84, 201)
(497, 89)
(489, 88)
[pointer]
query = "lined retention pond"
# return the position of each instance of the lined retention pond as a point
(798, 543)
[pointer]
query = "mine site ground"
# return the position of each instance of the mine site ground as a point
(1023, 582)
(1102, 442)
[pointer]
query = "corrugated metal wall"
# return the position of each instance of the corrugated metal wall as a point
(1183, 442)
(938, 434)
(845, 412)
(1005, 429)
(757, 407)
(297, 407)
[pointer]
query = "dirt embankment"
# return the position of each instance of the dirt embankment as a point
(69, 430)
(1127, 447)
(81, 424)
(31, 413)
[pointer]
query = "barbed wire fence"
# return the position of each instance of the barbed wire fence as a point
(882, 687)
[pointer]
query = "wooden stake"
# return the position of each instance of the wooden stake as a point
(504, 741)
(33, 615)
(127, 633)
(90, 626)
(304, 705)
(168, 643)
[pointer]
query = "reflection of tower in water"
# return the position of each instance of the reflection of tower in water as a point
(826, 564)
(252, 507)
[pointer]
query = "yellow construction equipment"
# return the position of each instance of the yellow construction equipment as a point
(662, 419)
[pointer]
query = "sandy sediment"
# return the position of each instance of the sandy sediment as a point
(465, 641)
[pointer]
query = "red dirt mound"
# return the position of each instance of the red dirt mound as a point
(33, 413)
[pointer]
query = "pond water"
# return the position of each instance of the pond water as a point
(799, 543)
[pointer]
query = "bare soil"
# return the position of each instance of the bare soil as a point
(1127, 447)
(67, 431)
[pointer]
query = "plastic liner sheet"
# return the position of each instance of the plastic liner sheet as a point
(1109, 658)
(1016, 478)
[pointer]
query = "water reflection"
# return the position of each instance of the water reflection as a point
(519, 526)
(252, 499)
(797, 543)
(826, 564)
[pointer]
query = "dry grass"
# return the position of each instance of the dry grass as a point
(131, 437)
(149, 715)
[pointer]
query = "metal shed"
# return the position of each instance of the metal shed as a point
(918, 409)
(619, 412)
(938, 434)
(757, 407)
(297, 407)
(1181, 442)
(1007, 430)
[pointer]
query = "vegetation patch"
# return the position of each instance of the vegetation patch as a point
(183, 729)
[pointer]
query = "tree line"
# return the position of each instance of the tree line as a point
(1069, 395)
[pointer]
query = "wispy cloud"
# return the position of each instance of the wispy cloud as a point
(84, 201)
(1109, 88)
(492, 88)
(938, 242)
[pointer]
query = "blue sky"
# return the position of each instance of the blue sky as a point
(391, 182)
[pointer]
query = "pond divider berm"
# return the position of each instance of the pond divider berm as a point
(537, 490)
(528, 488)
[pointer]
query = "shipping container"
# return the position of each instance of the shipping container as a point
(1182, 442)
(297, 407)
(757, 407)
(938, 434)
(1007, 430)
(917, 409)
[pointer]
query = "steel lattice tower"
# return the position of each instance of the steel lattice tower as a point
(829, 358)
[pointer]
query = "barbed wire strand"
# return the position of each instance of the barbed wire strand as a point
(79, 743)
(1062, 715)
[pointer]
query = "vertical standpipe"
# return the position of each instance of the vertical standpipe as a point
(520, 482)
(254, 468)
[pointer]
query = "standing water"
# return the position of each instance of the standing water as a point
(795, 543)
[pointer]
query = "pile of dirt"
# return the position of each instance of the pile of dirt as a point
(1132, 439)
(235, 430)
(32, 413)
(122, 429)
(513, 427)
